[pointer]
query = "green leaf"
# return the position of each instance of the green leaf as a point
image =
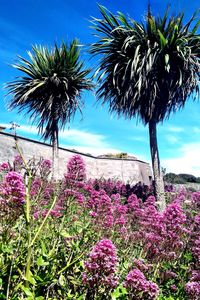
(27, 291)
(163, 40)
(119, 292)
(31, 278)
(44, 249)
(69, 295)
(65, 234)
(62, 280)
(40, 262)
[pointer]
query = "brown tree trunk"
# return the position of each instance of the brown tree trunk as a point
(158, 178)
(55, 154)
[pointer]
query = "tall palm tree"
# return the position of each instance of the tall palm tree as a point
(50, 90)
(147, 70)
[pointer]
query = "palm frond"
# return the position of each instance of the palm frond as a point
(50, 92)
(146, 70)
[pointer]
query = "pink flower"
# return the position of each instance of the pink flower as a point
(35, 187)
(75, 169)
(192, 288)
(101, 265)
(92, 214)
(18, 161)
(46, 163)
(13, 188)
(139, 287)
(101, 205)
(45, 168)
(4, 166)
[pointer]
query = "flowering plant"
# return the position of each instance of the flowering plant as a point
(93, 239)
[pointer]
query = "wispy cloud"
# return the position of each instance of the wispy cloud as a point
(80, 140)
(196, 129)
(141, 139)
(172, 139)
(92, 150)
(175, 129)
(87, 142)
(22, 128)
(187, 160)
(81, 137)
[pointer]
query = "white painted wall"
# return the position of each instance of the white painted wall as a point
(124, 169)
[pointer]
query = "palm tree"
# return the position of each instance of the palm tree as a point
(147, 70)
(50, 90)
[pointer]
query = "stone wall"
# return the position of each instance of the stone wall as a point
(131, 170)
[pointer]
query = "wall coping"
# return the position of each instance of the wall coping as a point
(70, 150)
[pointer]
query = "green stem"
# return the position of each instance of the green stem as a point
(141, 253)
(27, 215)
(24, 161)
(43, 222)
(28, 226)
(28, 260)
(9, 281)
(156, 271)
(28, 188)
(70, 264)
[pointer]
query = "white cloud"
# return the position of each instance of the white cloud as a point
(168, 128)
(171, 139)
(175, 129)
(29, 129)
(92, 150)
(86, 142)
(80, 140)
(23, 128)
(196, 129)
(187, 160)
(139, 139)
(81, 137)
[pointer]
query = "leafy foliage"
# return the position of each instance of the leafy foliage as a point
(50, 90)
(89, 244)
(146, 69)
(181, 178)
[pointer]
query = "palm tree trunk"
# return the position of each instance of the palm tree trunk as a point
(55, 154)
(158, 178)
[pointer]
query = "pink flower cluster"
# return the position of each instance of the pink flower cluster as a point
(192, 288)
(18, 163)
(76, 169)
(108, 212)
(4, 166)
(196, 198)
(195, 239)
(13, 188)
(101, 209)
(46, 163)
(139, 287)
(45, 167)
(161, 234)
(101, 265)
(74, 195)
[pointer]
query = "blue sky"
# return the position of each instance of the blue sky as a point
(24, 23)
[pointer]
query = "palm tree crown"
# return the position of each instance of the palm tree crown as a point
(147, 69)
(51, 88)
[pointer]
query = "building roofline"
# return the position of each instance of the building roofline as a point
(69, 150)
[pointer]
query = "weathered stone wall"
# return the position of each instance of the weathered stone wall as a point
(131, 170)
